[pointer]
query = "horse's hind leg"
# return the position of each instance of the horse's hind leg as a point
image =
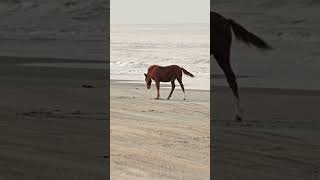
(182, 87)
(224, 63)
(173, 85)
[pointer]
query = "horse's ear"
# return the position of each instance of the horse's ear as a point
(145, 74)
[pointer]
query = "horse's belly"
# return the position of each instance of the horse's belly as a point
(168, 78)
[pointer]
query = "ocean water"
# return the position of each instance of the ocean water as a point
(294, 61)
(59, 29)
(133, 48)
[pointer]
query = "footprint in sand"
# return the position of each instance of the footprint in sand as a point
(76, 112)
(126, 97)
(87, 86)
(152, 110)
(37, 113)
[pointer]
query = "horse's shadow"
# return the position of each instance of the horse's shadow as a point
(158, 99)
(169, 100)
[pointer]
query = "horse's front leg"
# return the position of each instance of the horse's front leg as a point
(158, 89)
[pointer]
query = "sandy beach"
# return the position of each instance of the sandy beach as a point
(52, 127)
(158, 139)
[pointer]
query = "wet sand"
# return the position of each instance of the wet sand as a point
(276, 140)
(52, 127)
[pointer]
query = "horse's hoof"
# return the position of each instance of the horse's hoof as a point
(238, 118)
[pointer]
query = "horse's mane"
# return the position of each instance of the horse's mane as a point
(151, 67)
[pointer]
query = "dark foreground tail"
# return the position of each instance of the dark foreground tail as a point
(187, 73)
(247, 37)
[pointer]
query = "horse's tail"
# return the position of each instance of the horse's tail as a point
(247, 37)
(187, 73)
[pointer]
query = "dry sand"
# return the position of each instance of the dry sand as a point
(158, 139)
(51, 127)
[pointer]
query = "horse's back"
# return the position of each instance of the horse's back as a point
(170, 67)
(175, 66)
(168, 73)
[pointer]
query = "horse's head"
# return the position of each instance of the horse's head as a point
(148, 80)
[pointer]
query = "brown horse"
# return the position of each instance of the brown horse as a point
(166, 74)
(220, 43)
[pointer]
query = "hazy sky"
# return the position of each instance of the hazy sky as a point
(159, 11)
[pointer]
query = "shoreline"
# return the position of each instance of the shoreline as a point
(164, 85)
(274, 91)
(242, 89)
